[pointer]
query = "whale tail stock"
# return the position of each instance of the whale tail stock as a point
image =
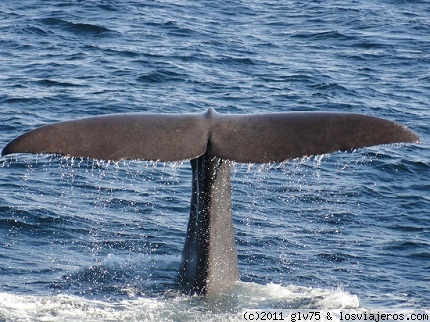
(210, 140)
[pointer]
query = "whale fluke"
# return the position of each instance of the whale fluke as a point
(210, 140)
(164, 137)
(258, 138)
(281, 136)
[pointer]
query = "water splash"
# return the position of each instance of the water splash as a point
(172, 307)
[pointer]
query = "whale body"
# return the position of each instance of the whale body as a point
(211, 141)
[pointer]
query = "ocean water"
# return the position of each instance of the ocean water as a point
(97, 241)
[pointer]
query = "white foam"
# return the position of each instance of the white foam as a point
(172, 307)
(293, 296)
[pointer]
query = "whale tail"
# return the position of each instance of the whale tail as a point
(209, 259)
(259, 138)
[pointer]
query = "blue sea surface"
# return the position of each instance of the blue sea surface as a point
(92, 240)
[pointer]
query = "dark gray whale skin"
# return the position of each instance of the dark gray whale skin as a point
(211, 141)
